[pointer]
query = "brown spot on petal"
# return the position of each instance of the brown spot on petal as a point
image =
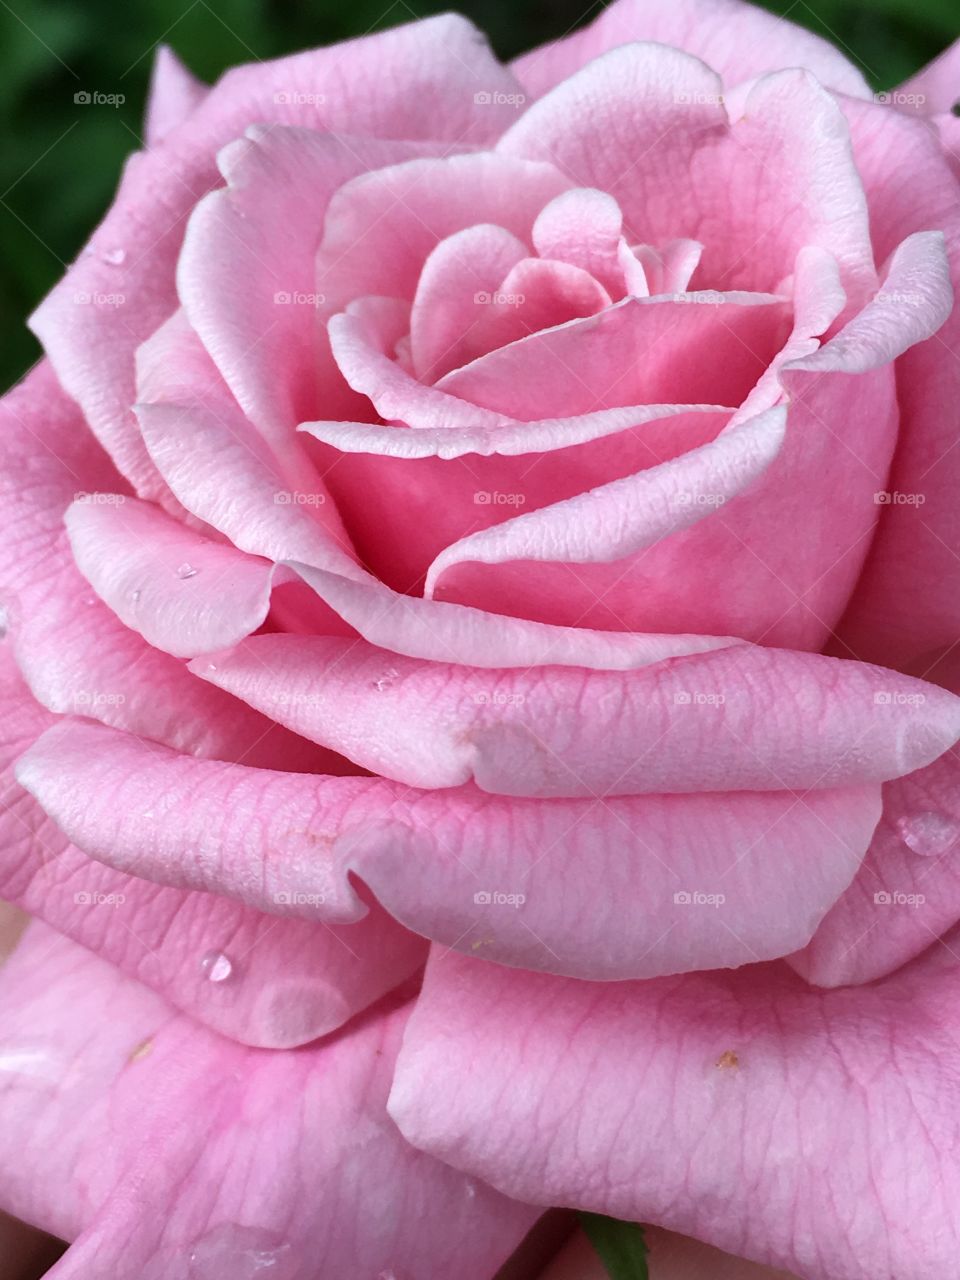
(728, 1060)
(141, 1051)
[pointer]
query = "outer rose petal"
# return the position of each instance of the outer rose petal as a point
(906, 602)
(437, 60)
(907, 892)
(174, 93)
(790, 149)
(166, 1151)
(741, 718)
(938, 83)
(739, 40)
(185, 594)
(743, 1109)
(722, 879)
(292, 982)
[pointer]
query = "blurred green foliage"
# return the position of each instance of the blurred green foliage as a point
(59, 161)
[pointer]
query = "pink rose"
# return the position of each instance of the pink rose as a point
(464, 505)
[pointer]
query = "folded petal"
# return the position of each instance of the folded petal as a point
(259, 980)
(444, 632)
(184, 593)
(621, 518)
(638, 352)
(166, 1151)
(906, 894)
(690, 882)
(673, 1101)
(220, 467)
(739, 719)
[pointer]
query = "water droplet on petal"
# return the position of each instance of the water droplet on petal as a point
(216, 966)
(186, 570)
(114, 257)
(386, 680)
(4, 622)
(135, 595)
(929, 834)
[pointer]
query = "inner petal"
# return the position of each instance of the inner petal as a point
(462, 272)
(535, 294)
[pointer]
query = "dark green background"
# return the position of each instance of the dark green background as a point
(60, 162)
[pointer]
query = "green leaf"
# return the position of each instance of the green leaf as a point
(619, 1245)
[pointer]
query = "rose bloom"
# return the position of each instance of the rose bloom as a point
(482, 576)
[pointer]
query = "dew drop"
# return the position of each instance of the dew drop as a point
(4, 622)
(929, 834)
(135, 595)
(217, 966)
(114, 257)
(186, 570)
(385, 681)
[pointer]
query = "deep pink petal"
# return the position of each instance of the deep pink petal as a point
(184, 593)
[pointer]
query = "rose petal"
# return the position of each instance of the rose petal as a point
(174, 93)
(647, 124)
(443, 632)
(907, 892)
(905, 605)
(723, 879)
(246, 274)
(441, 59)
(177, 1153)
(672, 1101)
(625, 516)
(740, 40)
(741, 718)
(185, 594)
(282, 983)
